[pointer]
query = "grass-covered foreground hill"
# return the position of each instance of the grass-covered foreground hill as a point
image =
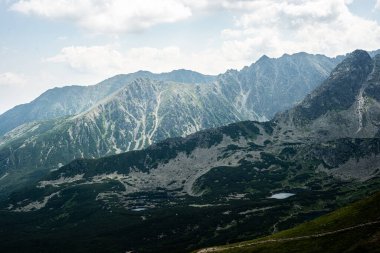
(355, 228)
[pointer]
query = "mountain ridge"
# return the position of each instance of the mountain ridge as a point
(75, 99)
(81, 98)
(142, 112)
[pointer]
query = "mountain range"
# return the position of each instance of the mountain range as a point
(216, 186)
(131, 112)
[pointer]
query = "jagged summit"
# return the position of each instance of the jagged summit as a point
(357, 55)
(263, 58)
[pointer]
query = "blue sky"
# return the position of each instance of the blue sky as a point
(47, 43)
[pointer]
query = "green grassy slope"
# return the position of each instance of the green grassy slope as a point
(355, 228)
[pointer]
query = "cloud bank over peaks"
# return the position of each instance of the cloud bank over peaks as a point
(257, 27)
(276, 27)
(110, 60)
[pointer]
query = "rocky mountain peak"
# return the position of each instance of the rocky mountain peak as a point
(355, 62)
(358, 54)
(345, 105)
(263, 58)
(339, 91)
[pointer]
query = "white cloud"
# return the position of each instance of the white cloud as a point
(377, 6)
(260, 27)
(11, 79)
(275, 27)
(116, 16)
(153, 59)
(108, 59)
(90, 59)
(108, 16)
